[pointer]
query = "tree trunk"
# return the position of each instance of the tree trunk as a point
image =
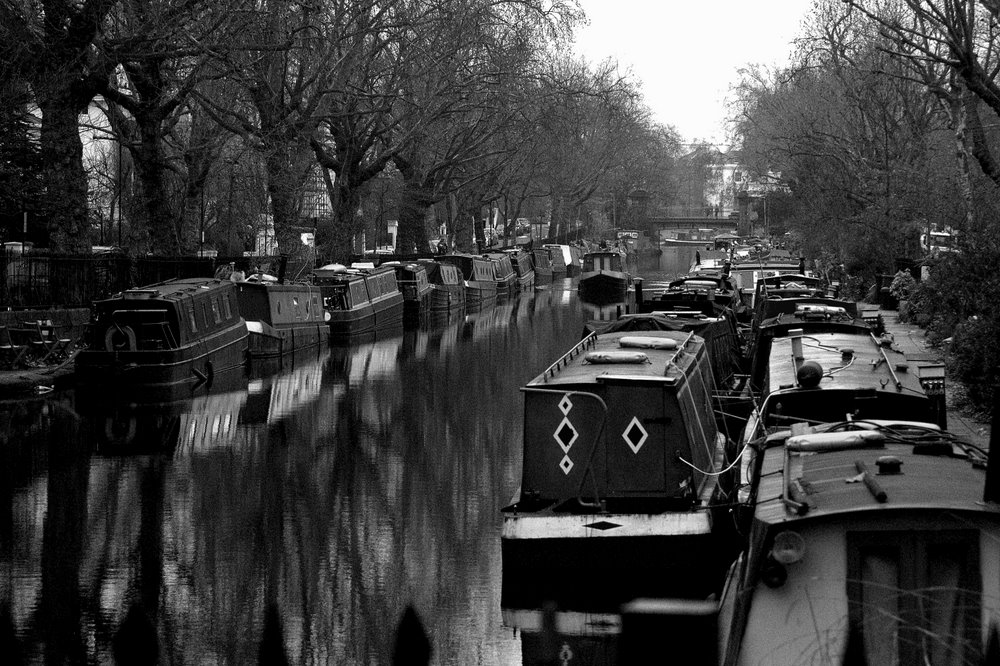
(165, 235)
(286, 176)
(66, 181)
(414, 207)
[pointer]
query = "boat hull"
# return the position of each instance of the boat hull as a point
(191, 364)
(603, 286)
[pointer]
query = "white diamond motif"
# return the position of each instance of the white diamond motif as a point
(566, 464)
(635, 435)
(565, 435)
(565, 404)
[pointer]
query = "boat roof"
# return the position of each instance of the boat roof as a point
(173, 290)
(578, 366)
(936, 473)
(850, 360)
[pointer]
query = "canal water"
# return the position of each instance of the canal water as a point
(340, 489)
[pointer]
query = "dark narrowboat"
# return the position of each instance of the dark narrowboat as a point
(503, 273)
(282, 318)
(447, 287)
(605, 277)
(175, 333)
(359, 299)
(411, 277)
(479, 276)
(620, 469)
(542, 264)
(523, 268)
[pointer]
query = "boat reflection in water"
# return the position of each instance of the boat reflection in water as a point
(551, 636)
(341, 489)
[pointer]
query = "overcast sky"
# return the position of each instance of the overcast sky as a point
(687, 52)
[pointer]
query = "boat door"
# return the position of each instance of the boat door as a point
(644, 430)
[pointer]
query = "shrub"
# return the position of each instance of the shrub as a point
(974, 359)
(902, 287)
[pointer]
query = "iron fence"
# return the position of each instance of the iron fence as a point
(38, 279)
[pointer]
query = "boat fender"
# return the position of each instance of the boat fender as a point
(647, 342)
(616, 357)
(114, 343)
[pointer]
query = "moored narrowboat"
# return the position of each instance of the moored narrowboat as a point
(479, 276)
(558, 258)
(175, 333)
(281, 318)
(605, 278)
(359, 299)
(877, 540)
(542, 264)
(620, 463)
(447, 287)
(411, 277)
(523, 268)
(503, 273)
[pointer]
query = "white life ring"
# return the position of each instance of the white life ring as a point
(109, 338)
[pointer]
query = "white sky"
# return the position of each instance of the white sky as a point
(687, 52)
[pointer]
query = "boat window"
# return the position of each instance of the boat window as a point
(277, 304)
(191, 318)
(915, 595)
(206, 314)
(227, 307)
(295, 302)
(216, 313)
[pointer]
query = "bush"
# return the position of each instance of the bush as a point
(903, 287)
(974, 359)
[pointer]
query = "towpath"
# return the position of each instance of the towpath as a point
(910, 338)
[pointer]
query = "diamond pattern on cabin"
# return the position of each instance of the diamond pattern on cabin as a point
(603, 525)
(565, 404)
(635, 435)
(565, 434)
(565, 464)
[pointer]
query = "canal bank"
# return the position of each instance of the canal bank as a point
(29, 376)
(911, 339)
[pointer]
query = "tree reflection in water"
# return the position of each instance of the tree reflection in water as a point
(340, 490)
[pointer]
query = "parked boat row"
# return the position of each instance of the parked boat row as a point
(783, 474)
(181, 332)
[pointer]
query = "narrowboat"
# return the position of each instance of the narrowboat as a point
(872, 542)
(523, 269)
(558, 259)
(503, 273)
(479, 276)
(574, 264)
(281, 318)
(604, 278)
(542, 264)
(835, 377)
(359, 299)
(620, 463)
(172, 334)
(416, 289)
(447, 287)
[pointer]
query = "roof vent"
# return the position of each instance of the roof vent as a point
(888, 465)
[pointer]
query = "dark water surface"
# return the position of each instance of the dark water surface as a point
(342, 488)
(359, 481)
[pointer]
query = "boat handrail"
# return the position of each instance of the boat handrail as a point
(586, 343)
(888, 364)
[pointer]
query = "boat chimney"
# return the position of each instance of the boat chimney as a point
(991, 493)
(638, 293)
(796, 335)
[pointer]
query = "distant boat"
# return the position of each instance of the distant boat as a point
(605, 277)
(411, 277)
(560, 259)
(281, 318)
(360, 299)
(175, 333)
(447, 287)
(503, 273)
(523, 268)
(479, 276)
(542, 263)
